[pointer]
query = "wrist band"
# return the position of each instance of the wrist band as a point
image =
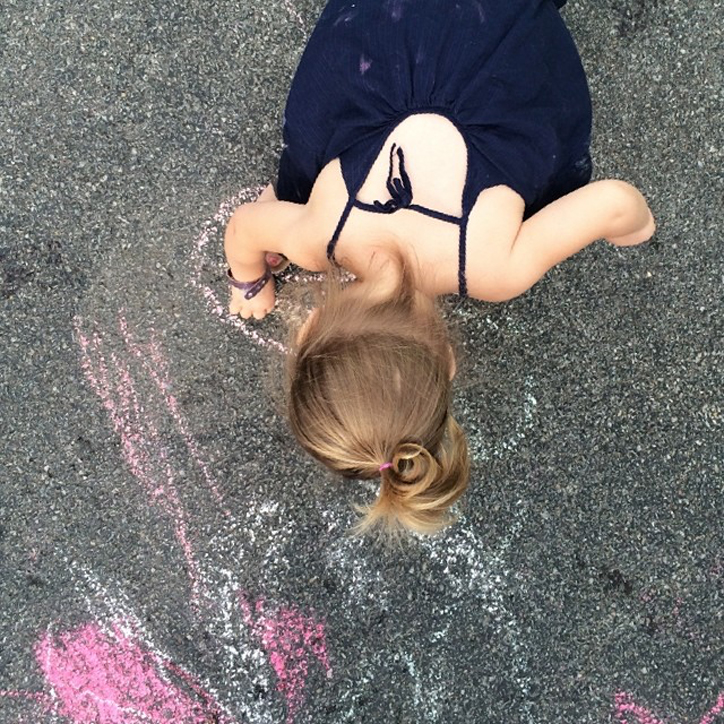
(250, 289)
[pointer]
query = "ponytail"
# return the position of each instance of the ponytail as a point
(418, 488)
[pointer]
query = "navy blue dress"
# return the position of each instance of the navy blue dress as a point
(505, 72)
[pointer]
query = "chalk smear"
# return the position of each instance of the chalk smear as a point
(627, 711)
(108, 677)
(475, 577)
(291, 639)
(136, 422)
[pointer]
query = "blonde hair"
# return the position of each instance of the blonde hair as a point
(368, 383)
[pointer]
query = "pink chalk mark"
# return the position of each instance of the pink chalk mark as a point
(717, 709)
(110, 678)
(289, 637)
(39, 696)
(627, 711)
(44, 701)
(143, 449)
(156, 366)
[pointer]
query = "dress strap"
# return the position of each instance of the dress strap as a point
(400, 188)
(439, 215)
(340, 225)
(462, 251)
(401, 197)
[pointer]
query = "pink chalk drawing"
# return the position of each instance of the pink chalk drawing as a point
(111, 673)
(289, 638)
(109, 676)
(156, 367)
(133, 382)
(134, 421)
(627, 711)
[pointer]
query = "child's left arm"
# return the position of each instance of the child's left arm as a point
(612, 210)
(253, 230)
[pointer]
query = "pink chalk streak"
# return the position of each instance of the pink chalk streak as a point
(293, 12)
(289, 638)
(143, 449)
(108, 678)
(717, 709)
(627, 711)
(156, 367)
(41, 698)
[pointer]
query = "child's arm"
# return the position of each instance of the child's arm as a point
(609, 209)
(253, 230)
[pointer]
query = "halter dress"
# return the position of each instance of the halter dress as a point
(506, 73)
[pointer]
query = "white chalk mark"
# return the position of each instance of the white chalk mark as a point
(428, 692)
(480, 452)
(476, 578)
(289, 7)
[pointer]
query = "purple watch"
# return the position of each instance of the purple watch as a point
(251, 289)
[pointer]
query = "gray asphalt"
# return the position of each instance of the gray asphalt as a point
(154, 511)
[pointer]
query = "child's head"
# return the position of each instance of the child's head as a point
(369, 384)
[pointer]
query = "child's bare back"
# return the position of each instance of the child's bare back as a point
(505, 254)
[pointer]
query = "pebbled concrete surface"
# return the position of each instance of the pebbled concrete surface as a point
(149, 480)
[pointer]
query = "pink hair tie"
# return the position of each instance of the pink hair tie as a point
(384, 466)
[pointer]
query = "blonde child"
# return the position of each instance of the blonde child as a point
(431, 148)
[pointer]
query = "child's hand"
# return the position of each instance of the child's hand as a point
(258, 306)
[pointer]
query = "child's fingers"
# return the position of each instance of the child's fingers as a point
(257, 307)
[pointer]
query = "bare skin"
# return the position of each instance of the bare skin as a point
(505, 255)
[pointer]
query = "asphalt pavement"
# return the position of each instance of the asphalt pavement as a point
(168, 554)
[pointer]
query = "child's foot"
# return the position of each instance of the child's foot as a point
(277, 262)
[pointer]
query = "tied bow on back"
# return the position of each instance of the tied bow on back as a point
(399, 188)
